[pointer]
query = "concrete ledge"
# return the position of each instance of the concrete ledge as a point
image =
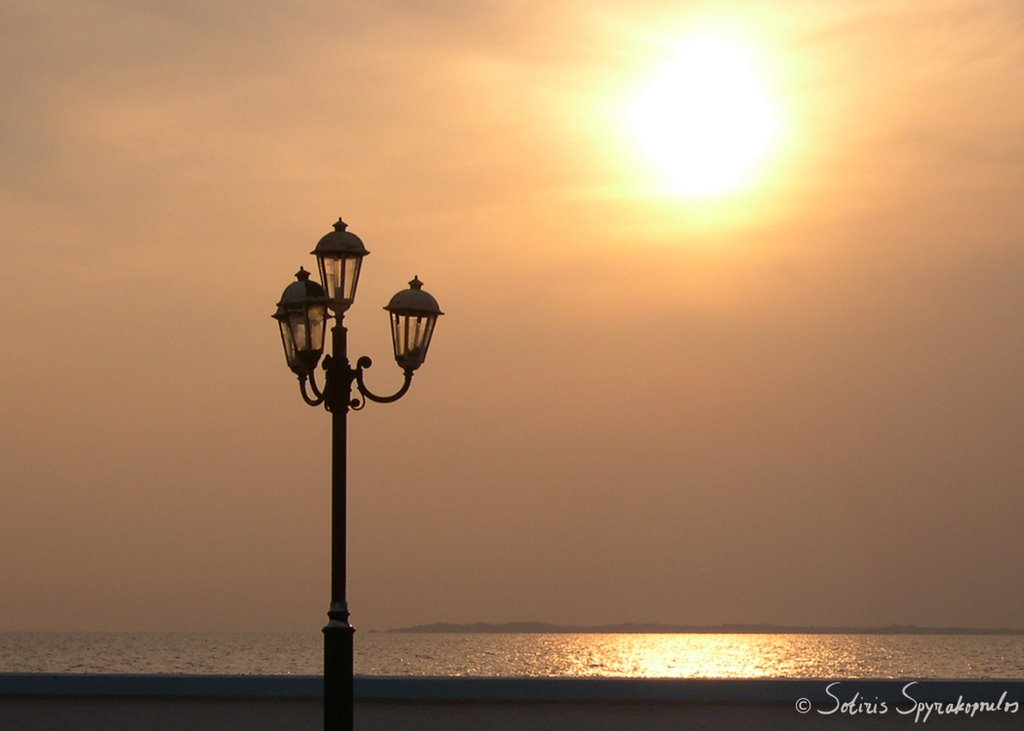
(659, 690)
(32, 702)
(492, 689)
(162, 686)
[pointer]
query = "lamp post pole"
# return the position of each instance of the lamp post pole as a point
(302, 314)
(339, 648)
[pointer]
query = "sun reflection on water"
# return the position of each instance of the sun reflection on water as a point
(698, 655)
(677, 656)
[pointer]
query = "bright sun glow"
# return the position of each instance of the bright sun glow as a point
(705, 118)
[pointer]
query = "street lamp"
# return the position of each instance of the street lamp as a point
(302, 314)
(339, 255)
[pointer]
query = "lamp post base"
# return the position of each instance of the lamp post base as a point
(338, 671)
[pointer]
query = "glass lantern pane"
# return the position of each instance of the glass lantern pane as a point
(428, 331)
(341, 276)
(415, 333)
(330, 272)
(286, 340)
(317, 320)
(350, 274)
(397, 335)
(299, 331)
(411, 336)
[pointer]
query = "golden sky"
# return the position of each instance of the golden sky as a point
(796, 402)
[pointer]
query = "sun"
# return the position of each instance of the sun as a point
(705, 118)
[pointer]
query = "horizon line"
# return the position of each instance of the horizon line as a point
(524, 627)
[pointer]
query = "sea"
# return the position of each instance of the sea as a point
(892, 656)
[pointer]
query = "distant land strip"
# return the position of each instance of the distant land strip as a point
(682, 629)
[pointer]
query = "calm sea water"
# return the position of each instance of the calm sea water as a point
(546, 655)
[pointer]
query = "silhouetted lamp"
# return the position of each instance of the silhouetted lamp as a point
(339, 255)
(413, 315)
(302, 315)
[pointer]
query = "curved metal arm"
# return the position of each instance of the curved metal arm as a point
(318, 395)
(364, 363)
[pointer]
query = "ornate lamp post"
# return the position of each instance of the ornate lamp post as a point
(302, 315)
